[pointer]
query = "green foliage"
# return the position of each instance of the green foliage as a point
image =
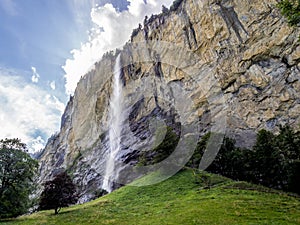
(162, 151)
(230, 161)
(274, 160)
(201, 146)
(291, 10)
(288, 147)
(59, 192)
(17, 170)
(179, 200)
(265, 160)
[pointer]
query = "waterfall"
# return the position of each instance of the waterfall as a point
(115, 128)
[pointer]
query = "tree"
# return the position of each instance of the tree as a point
(231, 161)
(59, 192)
(274, 160)
(17, 170)
(266, 164)
(288, 144)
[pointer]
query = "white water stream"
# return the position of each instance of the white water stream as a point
(115, 128)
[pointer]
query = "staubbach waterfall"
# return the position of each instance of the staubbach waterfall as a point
(115, 128)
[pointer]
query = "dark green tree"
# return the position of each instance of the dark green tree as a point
(230, 160)
(274, 160)
(59, 192)
(266, 164)
(288, 145)
(17, 170)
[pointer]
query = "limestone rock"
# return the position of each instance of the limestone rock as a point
(208, 61)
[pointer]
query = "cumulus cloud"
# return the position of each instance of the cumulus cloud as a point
(27, 111)
(111, 30)
(52, 85)
(35, 76)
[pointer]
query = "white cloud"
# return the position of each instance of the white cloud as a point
(112, 29)
(27, 111)
(38, 143)
(52, 85)
(35, 76)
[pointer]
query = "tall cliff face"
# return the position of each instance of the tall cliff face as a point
(231, 66)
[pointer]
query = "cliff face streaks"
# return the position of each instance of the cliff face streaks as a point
(237, 60)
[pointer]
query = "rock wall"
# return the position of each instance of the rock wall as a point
(229, 65)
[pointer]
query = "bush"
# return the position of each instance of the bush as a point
(291, 10)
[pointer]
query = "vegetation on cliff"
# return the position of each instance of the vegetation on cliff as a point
(291, 10)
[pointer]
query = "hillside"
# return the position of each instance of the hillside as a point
(183, 199)
(230, 67)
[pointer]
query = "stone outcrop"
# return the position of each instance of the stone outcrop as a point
(229, 65)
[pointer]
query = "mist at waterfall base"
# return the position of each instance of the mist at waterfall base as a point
(115, 128)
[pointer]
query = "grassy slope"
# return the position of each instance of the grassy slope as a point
(179, 200)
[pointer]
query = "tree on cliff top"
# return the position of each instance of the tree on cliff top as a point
(59, 192)
(17, 170)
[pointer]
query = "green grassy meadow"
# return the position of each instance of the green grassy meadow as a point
(185, 199)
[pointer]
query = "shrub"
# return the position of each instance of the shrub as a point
(291, 10)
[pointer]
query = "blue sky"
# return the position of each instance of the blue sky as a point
(45, 47)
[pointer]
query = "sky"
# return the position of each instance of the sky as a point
(46, 46)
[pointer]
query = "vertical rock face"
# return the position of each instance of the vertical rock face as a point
(227, 65)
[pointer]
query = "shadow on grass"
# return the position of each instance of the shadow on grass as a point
(7, 220)
(49, 214)
(242, 185)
